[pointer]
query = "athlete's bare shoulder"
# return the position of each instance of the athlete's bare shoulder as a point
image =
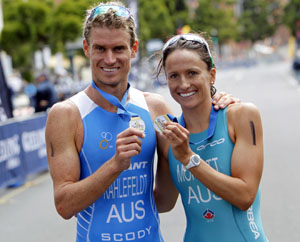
(64, 109)
(237, 110)
(240, 116)
(154, 98)
(63, 117)
(157, 104)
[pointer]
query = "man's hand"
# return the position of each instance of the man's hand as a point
(128, 144)
(223, 99)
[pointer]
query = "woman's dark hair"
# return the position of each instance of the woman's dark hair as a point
(183, 43)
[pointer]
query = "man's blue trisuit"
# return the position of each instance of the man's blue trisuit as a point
(126, 211)
(209, 217)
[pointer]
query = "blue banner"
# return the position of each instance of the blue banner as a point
(33, 144)
(12, 167)
(22, 149)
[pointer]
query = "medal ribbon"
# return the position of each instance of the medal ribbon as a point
(213, 117)
(122, 111)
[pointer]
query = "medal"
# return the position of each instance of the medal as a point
(159, 123)
(137, 123)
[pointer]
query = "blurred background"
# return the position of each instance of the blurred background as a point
(45, 37)
(256, 48)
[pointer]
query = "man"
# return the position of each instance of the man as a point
(45, 95)
(101, 142)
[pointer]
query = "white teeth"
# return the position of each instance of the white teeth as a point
(109, 70)
(187, 94)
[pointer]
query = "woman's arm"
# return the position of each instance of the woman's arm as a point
(165, 192)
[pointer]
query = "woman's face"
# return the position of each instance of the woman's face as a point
(188, 78)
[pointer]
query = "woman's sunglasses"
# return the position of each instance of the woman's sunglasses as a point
(188, 37)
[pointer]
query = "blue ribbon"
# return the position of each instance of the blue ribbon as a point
(122, 111)
(213, 117)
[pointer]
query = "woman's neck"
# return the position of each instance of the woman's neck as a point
(197, 120)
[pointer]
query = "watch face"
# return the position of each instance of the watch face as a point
(196, 159)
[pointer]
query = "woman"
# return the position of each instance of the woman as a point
(215, 157)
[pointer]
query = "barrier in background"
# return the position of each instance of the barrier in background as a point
(22, 149)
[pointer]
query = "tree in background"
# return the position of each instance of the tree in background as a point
(33, 24)
(66, 22)
(25, 31)
(155, 21)
(292, 18)
(30, 26)
(259, 20)
(179, 14)
(216, 18)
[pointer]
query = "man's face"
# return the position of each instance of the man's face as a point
(110, 55)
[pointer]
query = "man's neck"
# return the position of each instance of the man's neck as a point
(100, 100)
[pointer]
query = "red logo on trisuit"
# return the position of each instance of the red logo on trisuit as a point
(208, 214)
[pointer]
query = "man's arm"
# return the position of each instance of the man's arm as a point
(165, 193)
(63, 133)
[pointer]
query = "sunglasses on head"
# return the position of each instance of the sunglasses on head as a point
(188, 37)
(103, 9)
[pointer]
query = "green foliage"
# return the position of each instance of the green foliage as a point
(30, 25)
(160, 19)
(215, 15)
(26, 22)
(24, 31)
(292, 15)
(259, 19)
(178, 12)
(154, 21)
(66, 22)
(33, 24)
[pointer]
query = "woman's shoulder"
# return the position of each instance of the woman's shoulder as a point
(239, 110)
(240, 115)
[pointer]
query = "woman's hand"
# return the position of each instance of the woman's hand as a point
(178, 138)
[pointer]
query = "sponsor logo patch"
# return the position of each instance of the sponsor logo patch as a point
(208, 214)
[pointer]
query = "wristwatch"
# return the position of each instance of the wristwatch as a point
(195, 160)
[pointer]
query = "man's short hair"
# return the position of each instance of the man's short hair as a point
(109, 19)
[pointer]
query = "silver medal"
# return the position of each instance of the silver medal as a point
(137, 123)
(159, 123)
